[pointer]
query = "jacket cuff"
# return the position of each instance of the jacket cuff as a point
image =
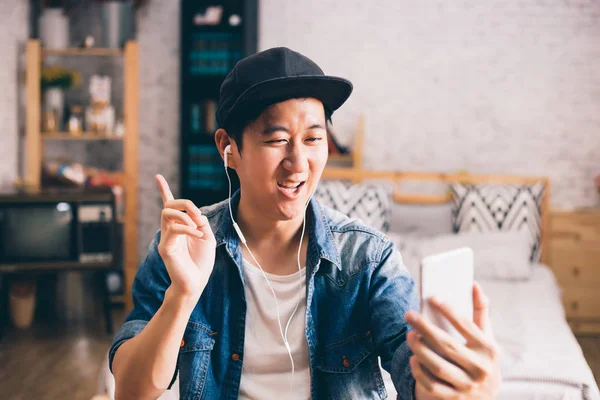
(401, 374)
(129, 330)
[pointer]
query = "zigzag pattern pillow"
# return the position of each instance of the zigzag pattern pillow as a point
(369, 202)
(496, 207)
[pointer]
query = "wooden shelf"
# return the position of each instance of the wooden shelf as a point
(54, 266)
(340, 157)
(83, 136)
(117, 299)
(97, 52)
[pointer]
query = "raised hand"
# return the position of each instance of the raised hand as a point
(187, 244)
(469, 371)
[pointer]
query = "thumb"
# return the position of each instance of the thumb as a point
(481, 314)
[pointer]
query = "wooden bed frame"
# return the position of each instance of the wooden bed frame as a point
(356, 173)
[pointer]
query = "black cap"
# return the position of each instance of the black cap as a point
(275, 75)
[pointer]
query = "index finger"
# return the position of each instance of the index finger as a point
(467, 328)
(163, 186)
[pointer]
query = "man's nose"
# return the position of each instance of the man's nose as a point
(296, 160)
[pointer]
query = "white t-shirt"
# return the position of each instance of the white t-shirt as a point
(267, 368)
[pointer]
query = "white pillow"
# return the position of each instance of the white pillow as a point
(421, 219)
(497, 255)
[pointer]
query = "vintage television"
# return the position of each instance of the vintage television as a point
(67, 228)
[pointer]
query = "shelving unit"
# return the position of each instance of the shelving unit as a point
(346, 166)
(35, 139)
(84, 52)
(83, 136)
(208, 53)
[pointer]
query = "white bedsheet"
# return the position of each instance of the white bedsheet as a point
(540, 356)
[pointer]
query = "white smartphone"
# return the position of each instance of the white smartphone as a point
(449, 277)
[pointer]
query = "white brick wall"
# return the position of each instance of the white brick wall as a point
(488, 86)
(13, 34)
(158, 35)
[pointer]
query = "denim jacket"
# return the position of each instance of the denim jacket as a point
(358, 292)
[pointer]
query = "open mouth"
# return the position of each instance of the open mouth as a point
(290, 188)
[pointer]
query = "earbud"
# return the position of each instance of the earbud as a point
(227, 151)
(235, 225)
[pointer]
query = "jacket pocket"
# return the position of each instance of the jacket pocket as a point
(194, 359)
(349, 369)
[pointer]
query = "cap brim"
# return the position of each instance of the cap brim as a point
(330, 90)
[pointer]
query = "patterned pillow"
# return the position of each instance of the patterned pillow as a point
(369, 202)
(497, 207)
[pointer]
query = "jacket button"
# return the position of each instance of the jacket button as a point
(346, 362)
(182, 343)
(235, 357)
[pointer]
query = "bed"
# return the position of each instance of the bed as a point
(540, 356)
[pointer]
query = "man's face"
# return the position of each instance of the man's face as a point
(284, 154)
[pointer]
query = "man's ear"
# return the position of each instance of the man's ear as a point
(222, 140)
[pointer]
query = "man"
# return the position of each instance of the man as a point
(211, 303)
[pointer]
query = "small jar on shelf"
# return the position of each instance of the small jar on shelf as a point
(119, 201)
(49, 121)
(120, 128)
(75, 124)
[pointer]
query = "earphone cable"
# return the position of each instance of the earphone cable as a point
(283, 334)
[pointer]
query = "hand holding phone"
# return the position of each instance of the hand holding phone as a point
(439, 366)
(449, 277)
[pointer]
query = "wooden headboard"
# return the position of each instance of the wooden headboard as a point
(356, 173)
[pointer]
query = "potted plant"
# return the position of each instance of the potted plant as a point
(56, 76)
(55, 79)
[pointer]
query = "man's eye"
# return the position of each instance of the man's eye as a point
(277, 141)
(314, 139)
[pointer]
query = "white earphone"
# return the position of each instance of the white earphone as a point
(243, 240)
(226, 152)
(235, 225)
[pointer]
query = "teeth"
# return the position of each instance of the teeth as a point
(289, 185)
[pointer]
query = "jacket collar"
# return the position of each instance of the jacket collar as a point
(320, 240)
